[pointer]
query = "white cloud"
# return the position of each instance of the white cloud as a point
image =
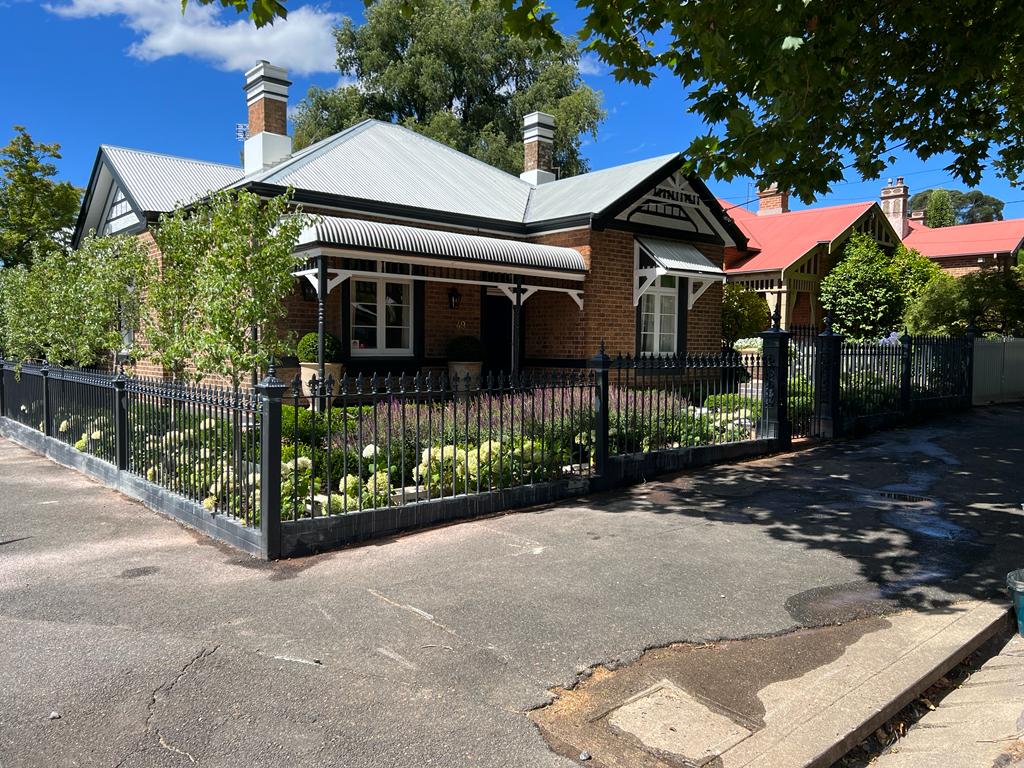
(591, 65)
(303, 43)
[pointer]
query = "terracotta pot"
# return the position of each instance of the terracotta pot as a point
(331, 370)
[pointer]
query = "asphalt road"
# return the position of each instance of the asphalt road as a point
(157, 647)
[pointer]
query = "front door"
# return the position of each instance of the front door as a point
(496, 331)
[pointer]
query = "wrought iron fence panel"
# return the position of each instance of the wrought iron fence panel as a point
(683, 401)
(939, 368)
(81, 410)
(198, 441)
(803, 351)
(369, 442)
(23, 394)
(870, 378)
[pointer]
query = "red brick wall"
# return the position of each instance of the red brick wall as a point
(962, 265)
(442, 323)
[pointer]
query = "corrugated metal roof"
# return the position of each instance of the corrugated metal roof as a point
(387, 163)
(678, 257)
(375, 237)
(158, 182)
(590, 192)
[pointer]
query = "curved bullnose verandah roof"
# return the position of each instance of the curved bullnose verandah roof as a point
(332, 232)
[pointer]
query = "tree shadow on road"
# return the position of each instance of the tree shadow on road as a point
(930, 514)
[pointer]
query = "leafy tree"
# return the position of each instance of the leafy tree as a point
(744, 313)
(939, 309)
(993, 299)
(939, 212)
(796, 92)
(228, 261)
(262, 12)
(972, 207)
(452, 72)
(868, 291)
(74, 308)
(35, 210)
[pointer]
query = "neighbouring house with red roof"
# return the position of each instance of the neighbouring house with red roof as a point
(789, 252)
(968, 247)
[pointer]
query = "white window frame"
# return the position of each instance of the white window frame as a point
(656, 292)
(381, 350)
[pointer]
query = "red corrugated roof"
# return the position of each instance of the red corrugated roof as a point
(784, 238)
(966, 239)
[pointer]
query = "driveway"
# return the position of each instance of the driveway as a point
(157, 647)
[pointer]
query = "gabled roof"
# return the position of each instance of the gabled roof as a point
(594, 192)
(152, 183)
(784, 238)
(385, 169)
(386, 163)
(157, 182)
(966, 239)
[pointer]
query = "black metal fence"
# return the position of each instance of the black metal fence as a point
(803, 351)
(300, 471)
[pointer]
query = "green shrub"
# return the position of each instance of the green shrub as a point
(730, 402)
(307, 349)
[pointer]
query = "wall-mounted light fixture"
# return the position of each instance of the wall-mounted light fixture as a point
(454, 298)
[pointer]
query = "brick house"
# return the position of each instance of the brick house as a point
(415, 243)
(788, 253)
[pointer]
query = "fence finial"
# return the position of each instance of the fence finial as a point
(828, 324)
(777, 317)
(601, 348)
(272, 369)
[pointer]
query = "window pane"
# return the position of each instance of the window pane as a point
(646, 323)
(647, 343)
(365, 314)
(365, 292)
(668, 305)
(668, 281)
(647, 303)
(364, 337)
(396, 293)
(396, 316)
(667, 343)
(396, 338)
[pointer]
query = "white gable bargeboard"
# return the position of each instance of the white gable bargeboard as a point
(673, 204)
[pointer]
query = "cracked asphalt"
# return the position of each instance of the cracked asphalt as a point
(157, 647)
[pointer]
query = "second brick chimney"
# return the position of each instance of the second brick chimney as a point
(266, 94)
(538, 148)
(771, 201)
(894, 206)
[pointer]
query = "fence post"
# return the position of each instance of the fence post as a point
(600, 364)
(775, 383)
(3, 375)
(44, 373)
(272, 391)
(827, 409)
(972, 335)
(906, 371)
(120, 419)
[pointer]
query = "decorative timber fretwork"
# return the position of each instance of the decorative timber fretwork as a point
(673, 204)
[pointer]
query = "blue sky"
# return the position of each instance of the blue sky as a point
(138, 74)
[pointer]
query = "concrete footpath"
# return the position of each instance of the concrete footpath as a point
(152, 646)
(981, 723)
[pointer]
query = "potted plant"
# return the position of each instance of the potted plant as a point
(465, 357)
(309, 362)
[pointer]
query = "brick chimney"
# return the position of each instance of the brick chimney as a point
(771, 201)
(266, 94)
(538, 148)
(894, 205)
